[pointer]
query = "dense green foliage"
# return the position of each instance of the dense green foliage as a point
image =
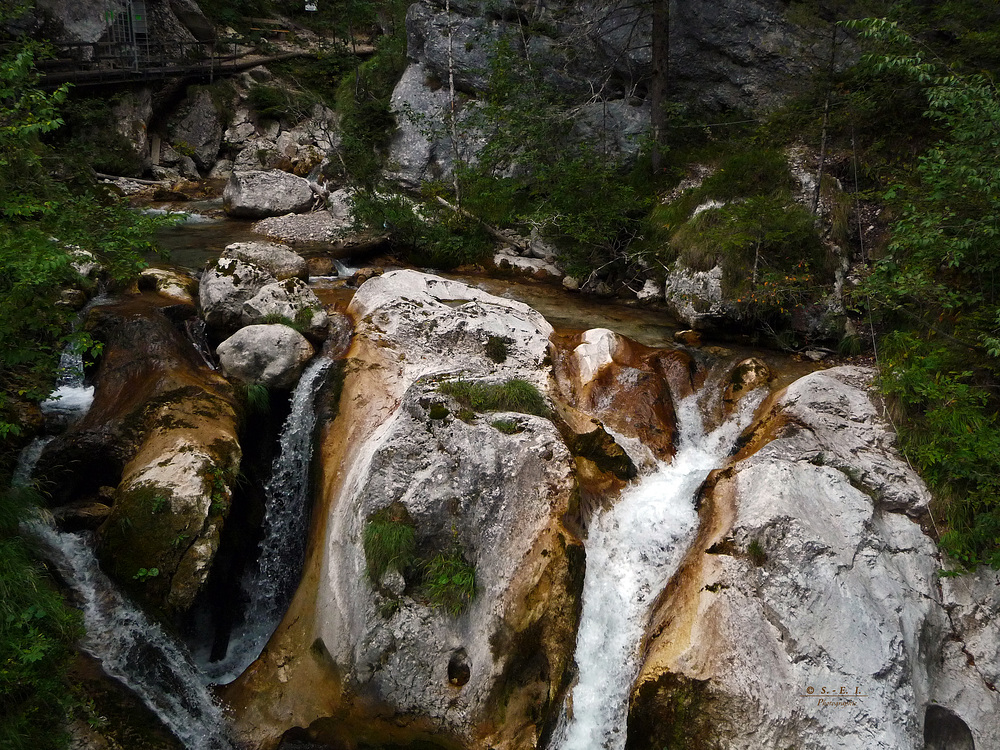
(46, 217)
(363, 103)
(37, 632)
(744, 218)
(937, 285)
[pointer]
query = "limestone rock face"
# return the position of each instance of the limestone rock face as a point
(254, 195)
(696, 297)
(416, 155)
(278, 260)
(290, 299)
(811, 574)
(196, 130)
(628, 388)
(162, 432)
(273, 355)
(725, 54)
(496, 497)
(224, 288)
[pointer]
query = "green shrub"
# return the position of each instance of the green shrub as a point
(389, 542)
(37, 633)
(507, 426)
(449, 581)
(497, 348)
(511, 395)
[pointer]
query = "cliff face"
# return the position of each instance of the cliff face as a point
(724, 55)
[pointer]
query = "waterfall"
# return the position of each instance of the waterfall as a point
(270, 583)
(343, 271)
(130, 646)
(71, 399)
(134, 649)
(633, 549)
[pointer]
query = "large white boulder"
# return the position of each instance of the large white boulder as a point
(498, 496)
(224, 287)
(278, 260)
(272, 355)
(254, 195)
(290, 299)
(809, 610)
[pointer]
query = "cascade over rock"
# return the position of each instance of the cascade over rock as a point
(811, 573)
(627, 387)
(353, 650)
(162, 430)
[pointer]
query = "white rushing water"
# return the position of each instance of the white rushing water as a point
(134, 649)
(633, 549)
(71, 399)
(130, 646)
(270, 583)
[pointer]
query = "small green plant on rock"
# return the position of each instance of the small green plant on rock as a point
(507, 426)
(144, 574)
(511, 395)
(756, 552)
(450, 582)
(497, 348)
(389, 541)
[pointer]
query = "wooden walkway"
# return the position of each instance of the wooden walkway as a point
(99, 63)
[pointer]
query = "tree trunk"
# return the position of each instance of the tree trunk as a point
(658, 85)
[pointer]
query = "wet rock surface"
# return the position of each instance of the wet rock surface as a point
(496, 497)
(811, 575)
(162, 433)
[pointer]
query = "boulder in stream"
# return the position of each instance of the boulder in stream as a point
(272, 355)
(278, 260)
(162, 433)
(484, 493)
(292, 300)
(254, 195)
(224, 287)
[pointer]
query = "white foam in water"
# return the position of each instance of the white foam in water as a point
(69, 400)
(136, 650)
(270, 583)
(633, 549)
(183, 217)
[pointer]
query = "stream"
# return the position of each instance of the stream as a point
(633, 548)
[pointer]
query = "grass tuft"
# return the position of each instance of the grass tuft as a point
(389, 541)
(512, 395)
(450, 582)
